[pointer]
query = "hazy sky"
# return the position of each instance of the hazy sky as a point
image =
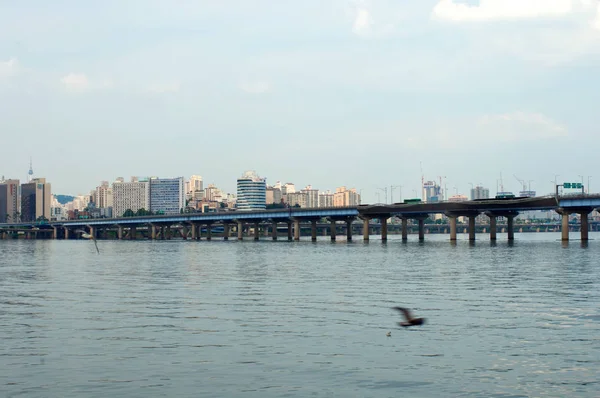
(327, 93)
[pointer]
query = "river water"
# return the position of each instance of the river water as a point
(275, 319)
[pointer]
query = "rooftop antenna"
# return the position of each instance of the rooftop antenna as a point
(422, 182)
(30, 172)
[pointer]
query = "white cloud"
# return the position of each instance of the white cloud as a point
(79, 82)
(365, 25)
(596, 21)
(75, 82)
(9, 68)
(258, 87)
(520, 126)
(452, 10)
(165, 87)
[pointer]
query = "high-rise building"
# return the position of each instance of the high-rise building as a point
(167, 195)
(296, 199)
(431, 192)
(130, 196)
(312, 196)
(326, 199)
(36, 200)
(103, 196)
(194, 184)
(345, 197)
(213, 194)
(10, 201)
(480, 192)
(273, 195)
(251, 192)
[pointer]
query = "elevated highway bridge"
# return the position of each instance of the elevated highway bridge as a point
(195, 225)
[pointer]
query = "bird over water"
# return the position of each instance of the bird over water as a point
(85, 235)
(410, 320)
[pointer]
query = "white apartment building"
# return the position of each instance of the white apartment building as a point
(312, 196)
(130, 195)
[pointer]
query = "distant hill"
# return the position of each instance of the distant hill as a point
(64, 199)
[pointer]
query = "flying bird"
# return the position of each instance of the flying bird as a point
(410, 321)
(85, 235)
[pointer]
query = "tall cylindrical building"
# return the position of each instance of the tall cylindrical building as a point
(251, 192)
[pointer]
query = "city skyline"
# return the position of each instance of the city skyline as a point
(362, 94)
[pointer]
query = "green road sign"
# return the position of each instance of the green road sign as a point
(572, 185)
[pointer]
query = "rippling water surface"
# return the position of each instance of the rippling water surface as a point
(266, 319)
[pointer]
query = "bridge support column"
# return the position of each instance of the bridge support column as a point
(384, 231)
(366, 231)
(152, 229)
(132, 233)
(240, 230)
(208, 231)
(471, 228)
(565, 227)
(226, 231)
(289, 230)
(510, 221)
(274, 230)
(168, 232)
(256, 231)
(313, 230)
(452, 220)
(296, 229)
(332, 230)
(54, 233)
(404, 229)
(120, 232)
(161, 232)
(584, 226)
(349, 230)
(493, 227)
(421, 229)
(184, 232)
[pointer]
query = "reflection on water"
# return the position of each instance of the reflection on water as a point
(183, 318)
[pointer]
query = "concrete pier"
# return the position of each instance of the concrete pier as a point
(289, 231)
(226, 231)
(384, 229)
(584, 225)
(184, 232)
(274, 230)
(256, 231)
(472, 228)
(452, 220)
(366, 230)
(208, 231)
(332, 230)
(565, 227)
(421, 229)
(313, 230)
(404, 229)
(240, 230)
(510, 227)
(493, 227)
(296, 230)
(349, 230)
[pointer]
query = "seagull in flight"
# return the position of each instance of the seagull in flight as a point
(86, 235)
(410, 321)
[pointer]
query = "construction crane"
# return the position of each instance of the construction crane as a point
(522, 182)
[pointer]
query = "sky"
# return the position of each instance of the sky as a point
(370, 94)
